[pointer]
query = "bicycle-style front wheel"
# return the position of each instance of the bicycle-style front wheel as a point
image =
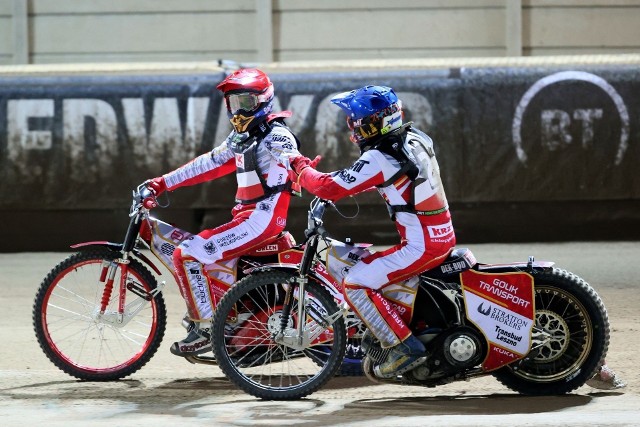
(257, 340)
(84, 340)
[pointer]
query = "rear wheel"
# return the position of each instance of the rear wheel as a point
(277, 369)
(89, 345)
(570, 337)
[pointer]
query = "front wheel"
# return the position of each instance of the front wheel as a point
(569, 339)
(256, 340)
(85, 342)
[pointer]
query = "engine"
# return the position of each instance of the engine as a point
(451, 351)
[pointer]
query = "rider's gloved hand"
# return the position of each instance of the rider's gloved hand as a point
(149, 203)
(299, 163)
(157, 186)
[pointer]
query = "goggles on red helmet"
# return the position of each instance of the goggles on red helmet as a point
(247, 101)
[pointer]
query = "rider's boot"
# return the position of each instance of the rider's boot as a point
(402, 358)
(197, 341)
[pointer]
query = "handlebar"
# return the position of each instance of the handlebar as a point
(315, 225)
(144, 192)
(140, 194)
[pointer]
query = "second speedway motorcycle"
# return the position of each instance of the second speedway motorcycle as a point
(100, 314)
(280, 332)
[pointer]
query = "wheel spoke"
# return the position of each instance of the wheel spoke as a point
(561, 338)
(85, 343)
(247, 352)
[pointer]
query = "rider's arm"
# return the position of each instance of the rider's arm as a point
(363, 174)
(219, 162)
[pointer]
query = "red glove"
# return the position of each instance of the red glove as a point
(149, 203)
(298, 164)
(157, 186)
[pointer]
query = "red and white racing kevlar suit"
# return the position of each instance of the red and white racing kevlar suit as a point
(427, 235)
(261, 164)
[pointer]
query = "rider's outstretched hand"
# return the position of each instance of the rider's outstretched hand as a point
(298, 164)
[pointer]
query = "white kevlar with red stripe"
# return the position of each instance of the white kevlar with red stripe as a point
(425, 239)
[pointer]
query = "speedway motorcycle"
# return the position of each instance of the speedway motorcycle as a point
(537, 329)
(100, 314)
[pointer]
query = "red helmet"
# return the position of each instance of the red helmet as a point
(248, 95)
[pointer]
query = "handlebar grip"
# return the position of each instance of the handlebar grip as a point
(145, 193)
(322, 232)
(149, 203)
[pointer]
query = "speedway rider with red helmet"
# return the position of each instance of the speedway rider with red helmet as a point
(399, 160)
(258, 150)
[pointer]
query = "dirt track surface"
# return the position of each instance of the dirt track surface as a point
(169, 391)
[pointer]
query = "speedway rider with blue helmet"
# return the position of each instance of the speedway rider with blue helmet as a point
(258, 150)
(400, 162)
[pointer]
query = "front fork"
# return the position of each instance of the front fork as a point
(305, 333)
(125, 311)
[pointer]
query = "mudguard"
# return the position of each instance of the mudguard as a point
(289, 260)
(516, 266)
(117, 247)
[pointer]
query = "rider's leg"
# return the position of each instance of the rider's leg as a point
(213, 248)
(195, 290)
(362, 287)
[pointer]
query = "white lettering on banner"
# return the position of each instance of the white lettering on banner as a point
(161, 132)
(162, 138)
(23, 137)
(98, 151)
(555, 127)
(133, 109)
(300, 105)
(196, 119)
(555, 123)
(328, 127)
(223, 127)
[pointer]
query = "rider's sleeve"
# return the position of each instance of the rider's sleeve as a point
(219, 162)
(364, 173)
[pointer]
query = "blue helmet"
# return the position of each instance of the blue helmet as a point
(371, 111)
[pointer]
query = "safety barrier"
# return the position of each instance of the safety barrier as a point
(528, 151)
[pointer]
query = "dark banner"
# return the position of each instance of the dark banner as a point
(503, 135)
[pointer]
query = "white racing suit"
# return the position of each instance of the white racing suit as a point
(426, 236)
(205, 265)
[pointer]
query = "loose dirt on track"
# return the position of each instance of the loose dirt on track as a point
(169, 391)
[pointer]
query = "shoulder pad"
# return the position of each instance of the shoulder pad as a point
(281, 115)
